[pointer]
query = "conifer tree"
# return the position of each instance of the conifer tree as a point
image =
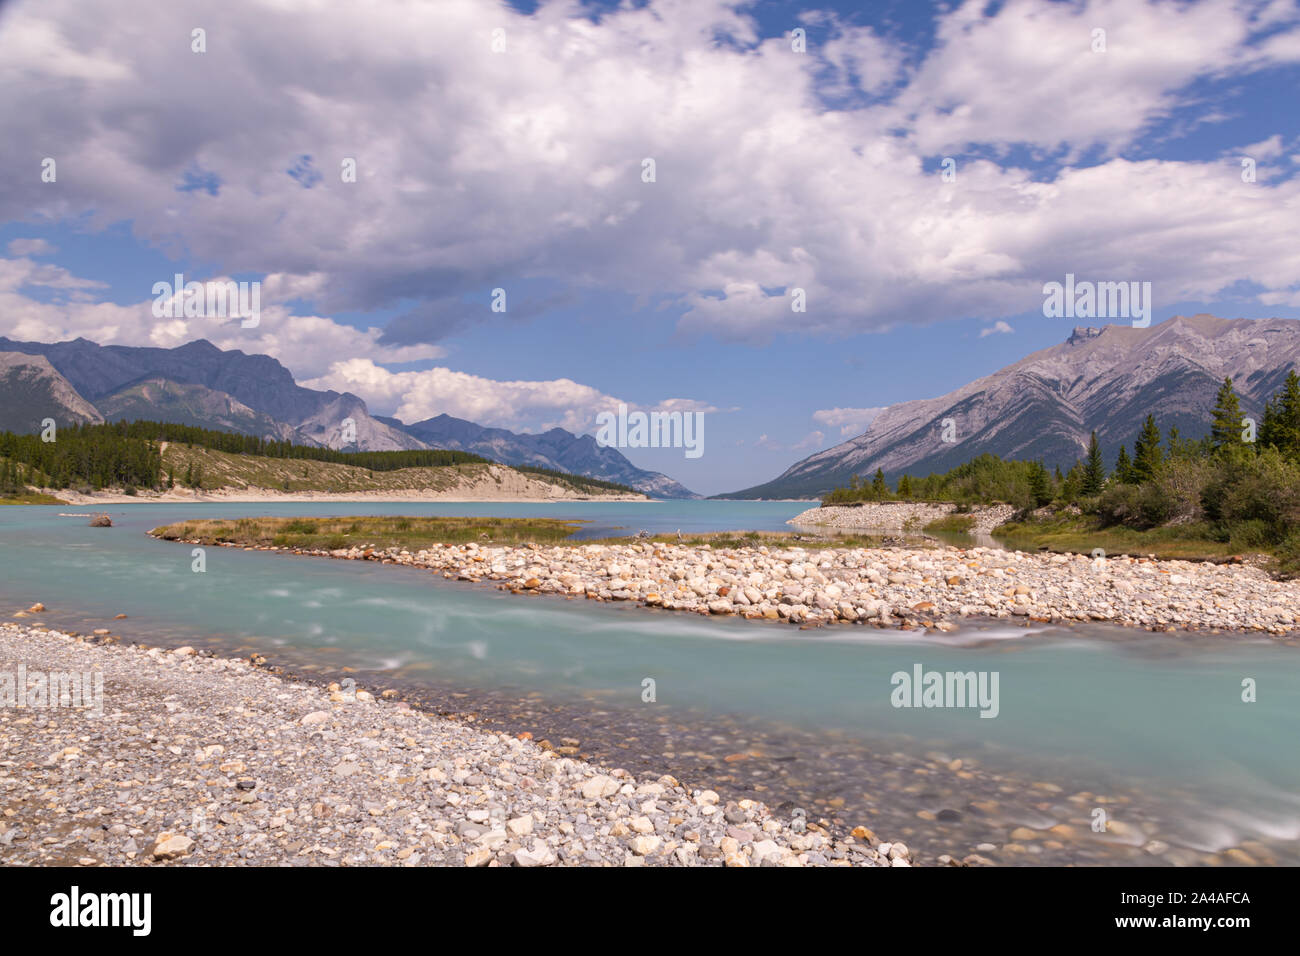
(1123, 467)
(1225, 426)
(879, 490)
(1147, 454)
(1040, 488)
(1094, 472)
(1072, 485)
(1281, 425)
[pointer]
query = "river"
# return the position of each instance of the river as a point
(1148, 729)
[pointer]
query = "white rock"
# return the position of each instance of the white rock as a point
(645, 845)
(539, 855)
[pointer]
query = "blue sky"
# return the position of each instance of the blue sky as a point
(522, 169)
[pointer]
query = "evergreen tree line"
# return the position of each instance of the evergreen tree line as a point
(127, 455)
(91, 455)
(576, 481)
(1242, 479)
(982, 479)
(237, 444)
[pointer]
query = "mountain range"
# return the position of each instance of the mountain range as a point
(199, 384)
(1046, 405)
(557, 448)
(32, 391)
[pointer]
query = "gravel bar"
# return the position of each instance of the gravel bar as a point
(203, 760)
(933, 588)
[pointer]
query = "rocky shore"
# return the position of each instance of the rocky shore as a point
(883, 587)
(202, 760)
(899, 516)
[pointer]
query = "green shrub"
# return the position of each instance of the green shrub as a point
(1134, 506)
(1250, 535)
(1286, 557)
(1263, 488)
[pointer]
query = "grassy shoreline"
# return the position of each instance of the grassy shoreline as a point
(412, 533)
(1080, 534)
(415, 533)
(32, 498)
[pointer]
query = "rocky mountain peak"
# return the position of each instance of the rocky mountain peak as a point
(1046, 405)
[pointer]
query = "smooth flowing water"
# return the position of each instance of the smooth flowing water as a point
(1151, 729)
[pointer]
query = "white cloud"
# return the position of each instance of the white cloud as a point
(310, 346)
(814, 439)
(997, 328)
(478, 169)
(850, 421)
(518, 405)
(1270, 148)
(31, 247)
(73, 307)
(1030, 74)
(415, 396)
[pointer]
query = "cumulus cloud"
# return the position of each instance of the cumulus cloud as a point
(997, 328)
(1035, 73)
(519, 405)
(478, 169)
(850, 421)
(31, 247)
(1270, 148)
(814, 439)
(46, 303)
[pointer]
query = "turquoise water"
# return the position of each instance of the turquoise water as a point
(1106, 707)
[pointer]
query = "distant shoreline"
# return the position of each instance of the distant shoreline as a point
(380, 497)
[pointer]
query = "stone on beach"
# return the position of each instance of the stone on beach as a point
(171, 846)
(879, 587)
(284, 778)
